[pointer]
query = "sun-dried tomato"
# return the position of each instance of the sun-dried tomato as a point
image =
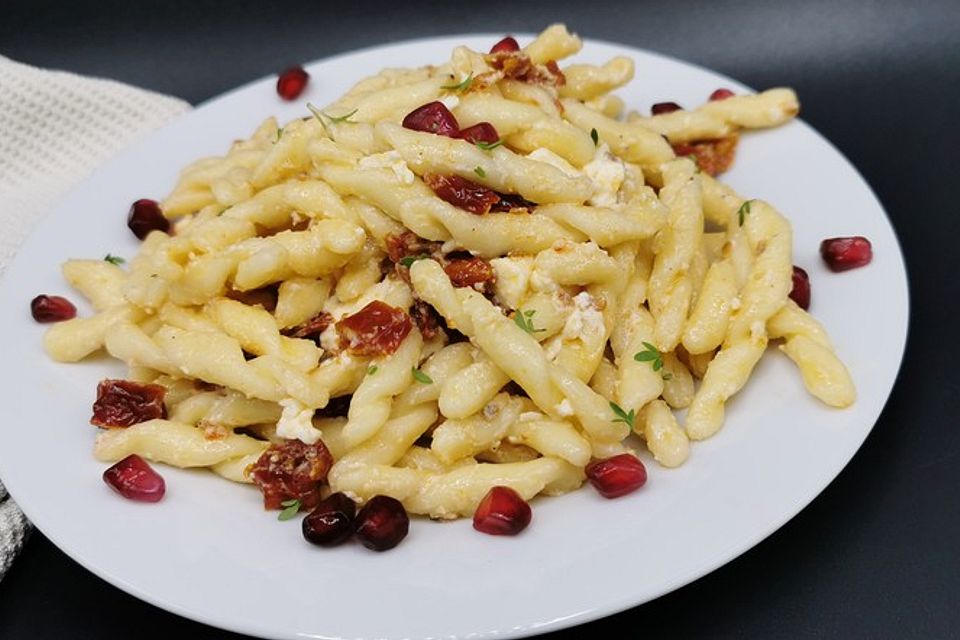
(468, 272)
(426, 318)
(409, 244)
(291, 470)
(376, 330)
(312, 328)
(480, 132)
(712, 156)
(462, 193)
(518, 66)
(512, 202)
(121, 403)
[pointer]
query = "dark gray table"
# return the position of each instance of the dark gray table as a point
(876, 555)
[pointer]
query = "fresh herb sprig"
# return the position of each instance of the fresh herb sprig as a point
(650, 354)
(622, 416)
(743, 211)
(112, 259)
(488, 146)
(595, 137)
(420, 376)
(524, 320)
(460, 87)
(480, 172)
(372, 370)
(290, 509)
(406, 261)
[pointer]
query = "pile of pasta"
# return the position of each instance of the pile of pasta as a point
(630, 285)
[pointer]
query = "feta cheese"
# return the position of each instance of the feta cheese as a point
(584, 320)
(512, 279)
(296, 422)
(607, 173)
(551, 158)
(389, 160)
(450, 102)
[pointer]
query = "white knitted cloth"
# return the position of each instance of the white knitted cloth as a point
(55, 128)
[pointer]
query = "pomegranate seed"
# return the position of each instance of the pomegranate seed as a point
(292, 82)
(664, 107)
(331, 522)
(480, 132)
(382, 523)
(134, 479)
(145, 216)
(433, 117)
(842, 254)
(721, 94)
(502, 512)
(800, 293)
(507, 45)
(617, 476)
(52, 308)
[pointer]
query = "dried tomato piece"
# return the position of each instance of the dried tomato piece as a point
(376, 330)
(512, 202)
(513, 64)
(433, 117)
(121, 403)
(712, 156)
(480, 132)
(409, 244)
(426, 318)
(664, 107)
(468, 272)
(462, 193)
(291, 470)
(312, 328)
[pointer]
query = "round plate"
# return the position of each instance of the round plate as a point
(209, 552)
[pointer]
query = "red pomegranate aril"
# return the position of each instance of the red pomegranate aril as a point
(842, 254)
(292, 82)
(664, 107)
(382, 523)
(480, 132)
(721, 94)
(617, 476)
(134, 479)
(507, 45)
(46, 308)
(331, 522)
(145, 216)
(433, 117)
(502, 512)
(800, 293)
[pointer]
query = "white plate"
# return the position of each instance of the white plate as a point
(209, 552)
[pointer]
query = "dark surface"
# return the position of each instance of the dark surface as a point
(877, 554)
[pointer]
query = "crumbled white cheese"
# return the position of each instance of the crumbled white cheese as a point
(584, 320)
(607, 173)
(551, 158)
(512, 279)
(450, 102)
(564, 409)
(389, 160)
(296, 422)
(330, 339)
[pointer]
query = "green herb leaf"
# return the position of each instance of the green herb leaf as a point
(667, 376)
(409, 260)
(524, 320)
(372, 370)
(420, 376)
(650, 354)
(480, 172)
(743, 211)
(112, 259)
(595, 137)
(623, 416)
(290, 509)
(487, 146)
(460, 86)
(279, 134)
(339, 119)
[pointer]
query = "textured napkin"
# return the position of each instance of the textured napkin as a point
(55, 128)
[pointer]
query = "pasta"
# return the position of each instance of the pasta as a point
(468, 275)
